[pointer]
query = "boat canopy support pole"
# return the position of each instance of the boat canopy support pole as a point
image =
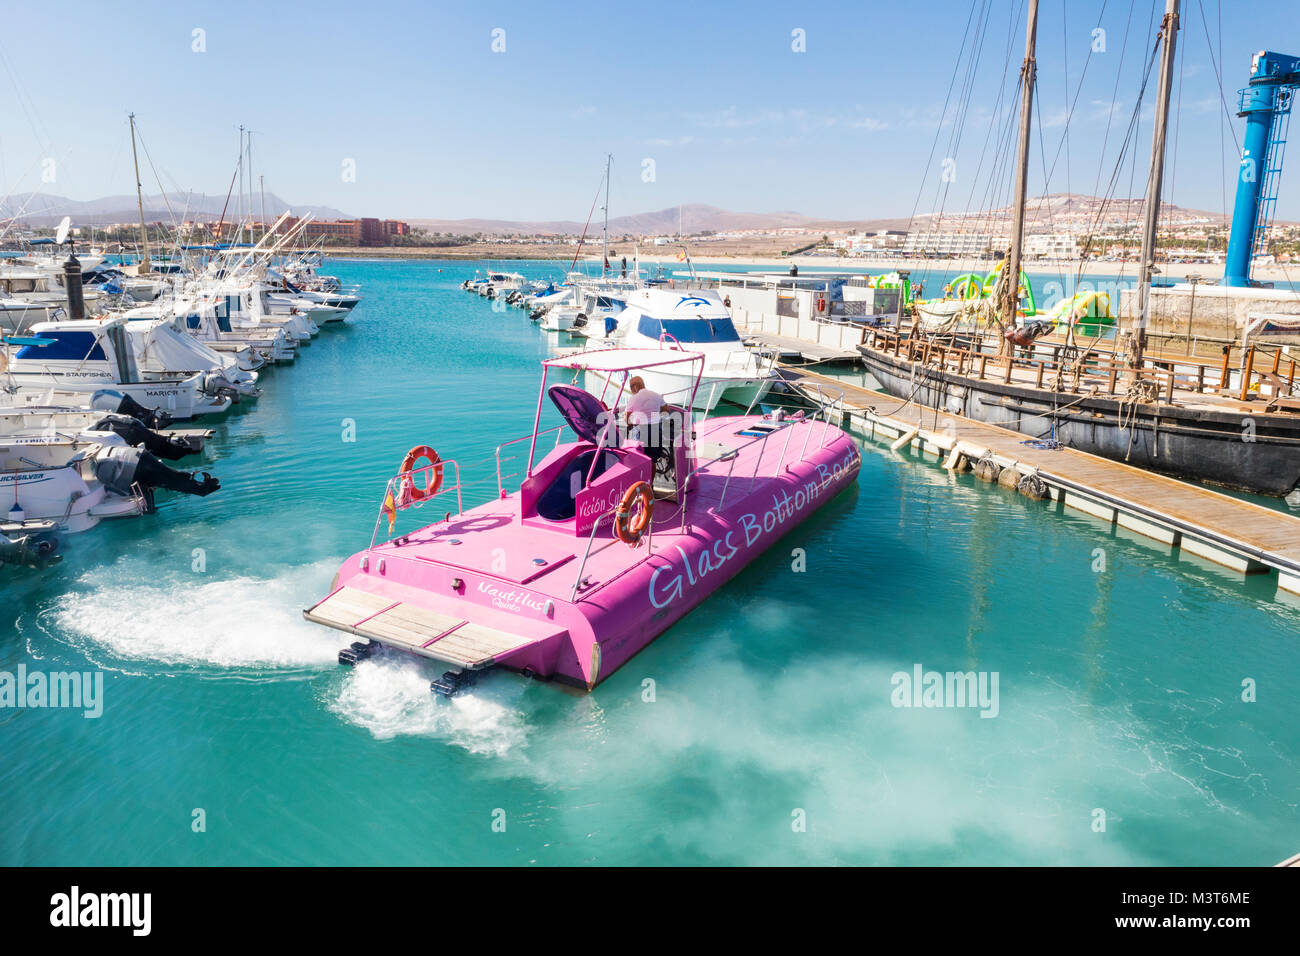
(537, 423)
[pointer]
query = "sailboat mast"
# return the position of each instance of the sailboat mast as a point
(249, 150)
(139, 203)
(239, 233)
(1155, 179)
(604, 262)
(1011, 270)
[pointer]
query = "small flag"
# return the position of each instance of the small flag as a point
(390, 509)
(681, 256)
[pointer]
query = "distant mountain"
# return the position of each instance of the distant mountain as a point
(694, 218)
(43, 209)
(1069, 212)
(1058, 211)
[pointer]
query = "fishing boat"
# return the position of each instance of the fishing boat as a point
(606, 542)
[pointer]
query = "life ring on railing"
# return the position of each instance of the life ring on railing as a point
(628, 526)
(409, 490)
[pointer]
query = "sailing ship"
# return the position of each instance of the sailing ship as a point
(1178, 415)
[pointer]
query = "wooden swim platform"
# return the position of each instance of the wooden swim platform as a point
(386, 619)
(1187, 518)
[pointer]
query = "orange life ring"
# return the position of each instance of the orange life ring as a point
(410, 491)
(629, 528)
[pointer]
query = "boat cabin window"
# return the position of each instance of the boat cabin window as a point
(67, 345)
(689, 330)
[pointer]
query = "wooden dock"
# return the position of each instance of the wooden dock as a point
(788, 347)
(1186, 518)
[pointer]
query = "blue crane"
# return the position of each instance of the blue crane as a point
(1266, 104)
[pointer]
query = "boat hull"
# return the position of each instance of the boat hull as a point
(580, 622)
(1256, 453)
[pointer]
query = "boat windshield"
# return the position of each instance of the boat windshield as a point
(689, 330)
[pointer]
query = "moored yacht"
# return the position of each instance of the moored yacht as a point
(694, 320)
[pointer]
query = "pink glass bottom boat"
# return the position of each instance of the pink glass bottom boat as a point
(608, 540)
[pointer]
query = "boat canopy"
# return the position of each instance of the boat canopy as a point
(622, 360)
(698, 330)
(62, 344)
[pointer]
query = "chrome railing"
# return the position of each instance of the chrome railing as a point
(393, 489)
(826, 408)
(501, 479)
(591, 540)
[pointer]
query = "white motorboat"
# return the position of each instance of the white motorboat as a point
(695, 321)
(65, 362)
(250, 349)
(29, 295)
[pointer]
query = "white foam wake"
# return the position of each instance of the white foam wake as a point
(389, 696)
(242, 622)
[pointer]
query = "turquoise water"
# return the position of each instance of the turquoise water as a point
(1118, 690)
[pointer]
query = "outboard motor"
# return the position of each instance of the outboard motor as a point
(35, 550)
(170, 447)
(218, 386)
(108, 400)
(120, 467)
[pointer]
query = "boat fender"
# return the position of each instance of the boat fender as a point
(986, 469)
(1034, 488)
(630, 527)
(408, 490)
(1009, 478)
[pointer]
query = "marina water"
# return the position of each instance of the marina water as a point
(762, 729)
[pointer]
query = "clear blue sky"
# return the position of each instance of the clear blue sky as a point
(441, 126)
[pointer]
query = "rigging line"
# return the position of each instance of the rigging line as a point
(998, 191)
(961, 113)
(1110, 115)
(993, 122)
(963, 108)
(1178, 124)
(1129, 138)
(1065, 131)
(1069, 115)
(590, 213)
(42, 136)
(1114, 98)
(157, 178)
(1051, 218)
(1214, 64)
(934, 144)
(1223, 161)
